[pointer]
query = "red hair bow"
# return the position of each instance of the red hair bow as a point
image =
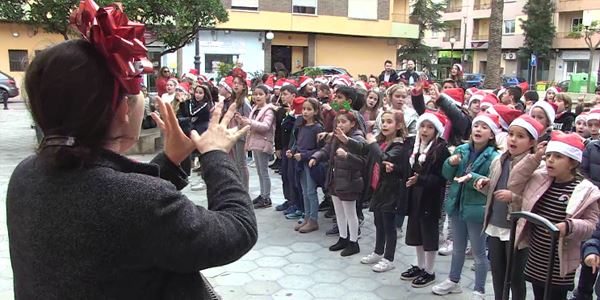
(120, 41)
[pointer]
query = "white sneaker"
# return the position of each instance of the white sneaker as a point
(477, 296)
(383, 265)
(399, 233)
(371, 259)
(469, 253)
(447, 287)
(446, 248)
(198, 187)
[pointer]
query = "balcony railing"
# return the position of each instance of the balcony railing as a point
(480, 37)
(482, 5)
(400, 18)
(568, 35)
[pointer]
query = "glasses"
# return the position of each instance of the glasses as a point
(166, 71)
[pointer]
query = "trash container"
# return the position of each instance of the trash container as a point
(541, 86)
(578, 83)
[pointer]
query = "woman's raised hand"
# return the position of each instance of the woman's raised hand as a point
(177, 145)
(218, 136)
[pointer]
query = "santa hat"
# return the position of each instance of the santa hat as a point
(458, 66)
(322, 79)
(183, 86)
(471, 90)
(456, 95)
(476, 96)
(551, 89)
(524, 87)
(570, 145)
(202, 78)
(361, 84)
(439, 121)
(594, 114)
(297, 105)
(269, 82)
(488, 101)
(492, 121)
(191, 77)
(289, 82)
(238, 72)
(500, 92)
(547, 107)
(343, 80)
(505, 114)
(582, 117)
(304, 80)
(530, 124)
(227, 83)
(279, 83)
(193, 71)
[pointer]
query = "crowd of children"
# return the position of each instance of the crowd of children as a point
(427, 152)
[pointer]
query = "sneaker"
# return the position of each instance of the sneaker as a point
(477, 295)
(294, 216)
(469, 253)
(330, 214)
(256, 200)
(446, 287)
(283, 206)
(325, 205)
(412, 273)
(263, 203)
(198, 186)
(333, 230)
(399, 233)
(424, 280)
(446, 248)
(382, 266)
(351, 249)
(290, 210)
(371, 259)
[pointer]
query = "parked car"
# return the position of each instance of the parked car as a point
(328, 71)
(474, 80)
(508, 81)
(8, 87)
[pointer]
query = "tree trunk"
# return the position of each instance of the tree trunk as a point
(493, 74)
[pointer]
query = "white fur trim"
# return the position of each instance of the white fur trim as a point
(592, 116)
(547, 108)
(433, 119)
(527, 126)
(305, 82)
(565, 149)
(489, 122)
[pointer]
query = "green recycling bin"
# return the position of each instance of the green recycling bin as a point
(579, 82)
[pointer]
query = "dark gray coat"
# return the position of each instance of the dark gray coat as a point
(116, 230)
(590, 165)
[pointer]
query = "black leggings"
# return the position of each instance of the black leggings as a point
(385, 234)
(498, 255)
(556, 292)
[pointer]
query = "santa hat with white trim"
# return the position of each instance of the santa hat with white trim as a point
(593, 115)
(471, 91)
(488, 101)
(547, 107)
(455, 95)
(279, 83)
(439, 121)
(227, 83)
(492, 121)
(477, 95)
(533, 126)
(506, 114)
(322, 79)
(570, 145)
(582, 117)
(304, 80)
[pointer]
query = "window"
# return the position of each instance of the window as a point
(509, 27)
(211, 61)
(576, 24)
(308, 7)
(18, 60)
(244, 4)
(577, 66)
(362, 9)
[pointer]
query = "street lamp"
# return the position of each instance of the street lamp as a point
(452, 41)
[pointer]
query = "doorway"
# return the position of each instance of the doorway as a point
(281, 58)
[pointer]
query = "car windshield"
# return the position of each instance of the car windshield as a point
(470, 77)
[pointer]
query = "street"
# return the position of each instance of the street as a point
(283, 265)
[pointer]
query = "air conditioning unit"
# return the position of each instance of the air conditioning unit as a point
(509, 56)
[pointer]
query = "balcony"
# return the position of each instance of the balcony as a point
(575, 5)
(482, 4)
(453, 6)
(568, 40)
(401, 18)
(480, 37)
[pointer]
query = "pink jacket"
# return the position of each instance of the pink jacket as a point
(262, 130)
(582, 212)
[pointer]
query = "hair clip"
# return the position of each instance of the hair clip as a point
(345, 106)
(57, 141)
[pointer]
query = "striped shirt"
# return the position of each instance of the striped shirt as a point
(552, 206)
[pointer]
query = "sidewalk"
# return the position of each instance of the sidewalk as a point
(283, 265)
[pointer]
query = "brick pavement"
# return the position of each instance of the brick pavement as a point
(283, 264)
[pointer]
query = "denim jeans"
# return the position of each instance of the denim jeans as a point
(289, 181)
(261, 160)
(462, 230)
(239, 157)
(309, 193)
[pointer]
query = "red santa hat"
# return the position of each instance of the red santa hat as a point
(342, 80)
(269, 82)
(184, 87)
(500, 92)
(193, 71)
(439, 121)
(476, 96)
(582, 117)
(227, 83)
(547, 107)
(506, 115)
(471, 90)
(297, 105)
(551, 89)
(458, 66)
(524, 87)
(238, 72)
(322, 79)
(289, 82)
(191, 77)
(594, 114)
(492, 121)
(279, 83)
(304, 80)
(202, 78)
(570, 145)
(456, 95)
(488, 101)
(530, 124)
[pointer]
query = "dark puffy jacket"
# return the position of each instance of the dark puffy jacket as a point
(590, 165)
(344, 176)
(564, 122)
(393, 77)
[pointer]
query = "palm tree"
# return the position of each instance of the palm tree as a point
(493, 77)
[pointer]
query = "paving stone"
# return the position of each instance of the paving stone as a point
(302, 258)
(288, 294)
(231, 292)
(295, 281)
(267, 274)
(330, 290)
(305, 247)
(299, 269)
(360, 284)
(234, 279)
(271, 261)
(259, 287)
(328, 276)
(241, 266)
(275, 251)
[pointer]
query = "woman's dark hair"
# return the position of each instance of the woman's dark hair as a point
(348, 92)
(399, 119)
(304, 92)
(376, 78)
(373, 113)
(361, 99)
(206, 90)
(239, 99)
(290, 89)
(451, 81)
(160, 73)
(531, 95)
(265, 90)
(70, 93)
(351, 116)
(214, 92)
(317, 108)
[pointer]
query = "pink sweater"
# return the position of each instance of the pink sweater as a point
(262, 130)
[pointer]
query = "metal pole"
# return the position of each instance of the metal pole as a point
(197, 56)
(464, 50)
(451, 54)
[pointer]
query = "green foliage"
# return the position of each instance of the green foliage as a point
(426, 14)
(224, 70)
(539, 27)
(174, 22)
(312, 72)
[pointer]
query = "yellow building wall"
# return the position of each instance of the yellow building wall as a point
(27, 40)
(518, 23)
(290, 39)
(357, 55)
(297, 59)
